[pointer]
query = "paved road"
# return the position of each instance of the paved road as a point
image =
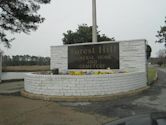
(162, 69)
(11, 88)
(158, 99)
(17, 110)
(151, 100)
(13, 75)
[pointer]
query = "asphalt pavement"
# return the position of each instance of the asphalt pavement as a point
(11, 88)
(151, 100)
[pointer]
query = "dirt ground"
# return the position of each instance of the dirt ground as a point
(17, 110)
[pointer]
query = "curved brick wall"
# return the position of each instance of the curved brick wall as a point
(86, 85)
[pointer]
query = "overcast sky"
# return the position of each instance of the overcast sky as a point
(122, 19)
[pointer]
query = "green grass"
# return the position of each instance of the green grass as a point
(151, 74)
(163, 66)
(25, 68)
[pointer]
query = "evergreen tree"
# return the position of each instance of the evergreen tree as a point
(17, 16)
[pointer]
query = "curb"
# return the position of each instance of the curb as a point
(82, 98)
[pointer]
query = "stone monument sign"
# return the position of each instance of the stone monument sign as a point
(90, 70)
(97, 56)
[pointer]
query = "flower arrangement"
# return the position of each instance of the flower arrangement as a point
(76, 73)
(94, 72)
(102, 72)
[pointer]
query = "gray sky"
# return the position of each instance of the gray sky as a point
(122, 19)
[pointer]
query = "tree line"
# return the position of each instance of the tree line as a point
(24, 60)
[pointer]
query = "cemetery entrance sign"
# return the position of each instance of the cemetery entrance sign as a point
(84, 72)
(95, 56)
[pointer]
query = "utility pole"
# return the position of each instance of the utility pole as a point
(94, 21)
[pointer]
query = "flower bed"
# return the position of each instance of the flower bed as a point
(94, 72)
(79, 73)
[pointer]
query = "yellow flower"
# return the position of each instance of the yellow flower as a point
(76, 73)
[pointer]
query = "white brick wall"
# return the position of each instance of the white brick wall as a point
(86, 85)
(132, 55)
(59, 57)
(132, 58)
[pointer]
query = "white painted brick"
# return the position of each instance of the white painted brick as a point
(108, 84)
(131, 53)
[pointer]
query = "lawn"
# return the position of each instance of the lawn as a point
(25, 68)
(151, 74)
